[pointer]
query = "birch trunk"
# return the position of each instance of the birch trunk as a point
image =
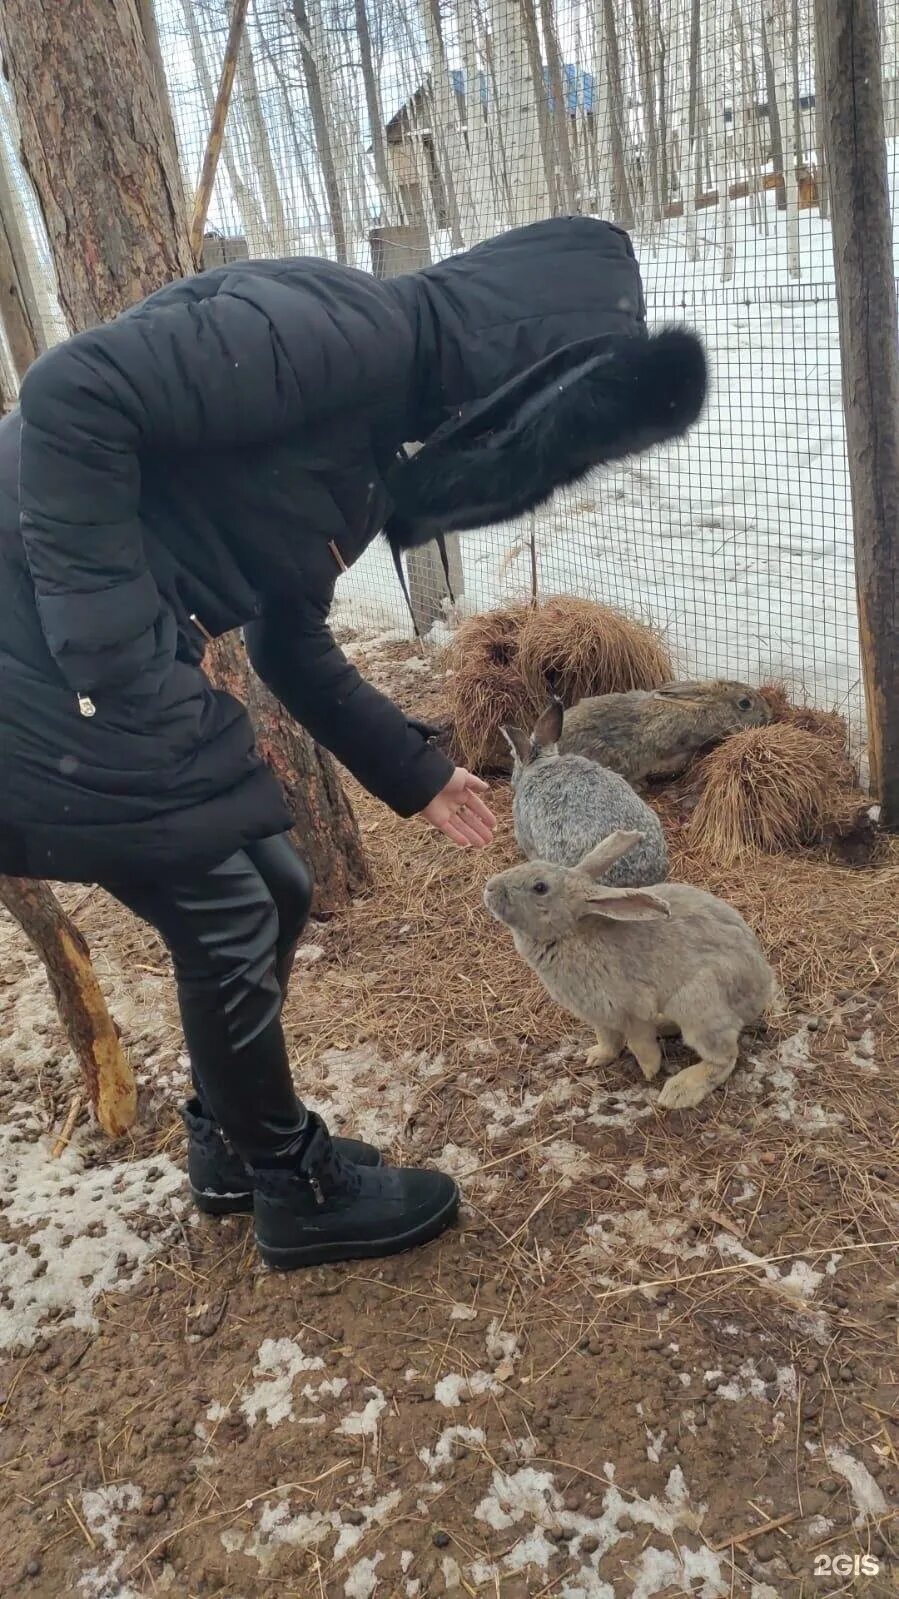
(260, 148)
(315, 69)
(516, 112)
(449, 149)
(481, 183)
(561, 120)
(777, 31)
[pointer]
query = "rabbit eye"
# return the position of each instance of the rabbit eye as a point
(541, 887)
(744, 704)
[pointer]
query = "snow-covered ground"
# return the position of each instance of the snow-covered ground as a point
(737, 542)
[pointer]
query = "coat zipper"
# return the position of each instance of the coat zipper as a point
(86, 706)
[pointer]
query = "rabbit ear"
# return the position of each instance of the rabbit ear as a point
(681, 691)
(597, 863)
(626, 905)
(518, 742)
(548, 729)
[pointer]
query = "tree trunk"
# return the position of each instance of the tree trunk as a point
(150, 31)
(646, 71)
(375, 113)
(449, 147)
(19, 273)
(326, 831)
(567, 185)
(260, 146)
(321, 124)
(95, 145)
(622, 203)
(21, 334)
(775, 133)
(108, 1077)
(850, 81)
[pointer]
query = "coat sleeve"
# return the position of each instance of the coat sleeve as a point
(297, 657)
(200, 374)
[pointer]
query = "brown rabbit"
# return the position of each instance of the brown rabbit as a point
(657, 732)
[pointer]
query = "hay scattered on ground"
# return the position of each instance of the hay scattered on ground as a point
(808, 718)
(774, 789)
(507, 663)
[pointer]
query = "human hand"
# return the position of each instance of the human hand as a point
(460, 813)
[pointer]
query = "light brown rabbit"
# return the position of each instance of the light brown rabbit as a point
(637, 963)
(657, 732)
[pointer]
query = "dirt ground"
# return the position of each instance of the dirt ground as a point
(652, 1360)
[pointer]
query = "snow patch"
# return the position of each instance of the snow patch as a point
(450, 1391)
(529, 1501)
(279, 1362)
(444, 1450)
(360, 1583)
(781, 1071)
(364, 1423)
(80, 1224)
(867, 1494)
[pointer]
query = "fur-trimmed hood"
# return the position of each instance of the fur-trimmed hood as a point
(592, 403)
(533, 366)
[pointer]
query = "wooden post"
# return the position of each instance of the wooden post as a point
(850, 66)
(395, 250)
(108, 1077)
(217, 130)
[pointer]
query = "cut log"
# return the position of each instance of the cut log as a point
(108, 1078)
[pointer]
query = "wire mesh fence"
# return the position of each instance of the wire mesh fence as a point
(390, 133)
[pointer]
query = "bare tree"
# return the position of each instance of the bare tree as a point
(445, 131)
(558, 89)
(644, 36)
(515, 110)
(373, 106)
(260, 146)
(314, 55)
(608, 114)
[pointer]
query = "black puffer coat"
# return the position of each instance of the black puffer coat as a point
(215, 454)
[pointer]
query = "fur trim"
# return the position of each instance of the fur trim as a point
(592, 403)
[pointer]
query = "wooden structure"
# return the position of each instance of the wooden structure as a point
(856, 156)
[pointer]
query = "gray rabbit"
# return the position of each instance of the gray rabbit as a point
(565, 804)
(638, 963)
(657, 732)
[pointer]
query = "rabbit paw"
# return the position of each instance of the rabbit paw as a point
(608, 1047)
(643, 1044)
(688, 1088)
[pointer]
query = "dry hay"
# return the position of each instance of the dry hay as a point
(486, 688)
(774, 789)
(571, 648)
(825, 724)
(506, 664)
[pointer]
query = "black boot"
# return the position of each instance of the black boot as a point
(324, 1209)
(220, 1182)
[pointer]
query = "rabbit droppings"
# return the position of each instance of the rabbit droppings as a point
(564, 806)
(656, 732)
(633, 963)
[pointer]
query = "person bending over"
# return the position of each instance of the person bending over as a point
(213, 459)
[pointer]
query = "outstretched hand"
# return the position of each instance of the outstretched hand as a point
(460, 813)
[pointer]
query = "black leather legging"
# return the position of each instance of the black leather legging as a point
(232, 934)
